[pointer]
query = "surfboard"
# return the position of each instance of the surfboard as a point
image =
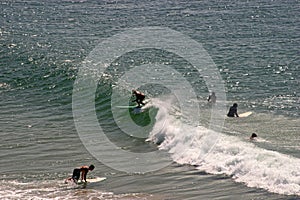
(92, 180)
(245, 114)
(133, 106)
(137, 110)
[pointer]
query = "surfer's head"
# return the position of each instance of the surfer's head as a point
(133, 91)
(91, 167)
(235, 105)
(254, 135)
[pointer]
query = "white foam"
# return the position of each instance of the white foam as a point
(241, 160)
(57, 189)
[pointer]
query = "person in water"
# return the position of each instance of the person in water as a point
(253, 136)
(83, 170)
(233, 111)
(212, 98)
(139, 97)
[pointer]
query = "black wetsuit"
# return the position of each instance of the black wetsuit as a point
(232, 111)
(139, 98)
(76, 173)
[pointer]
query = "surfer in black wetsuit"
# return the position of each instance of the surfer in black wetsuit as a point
(139, 97)
(83, 170)
(253, 136)
(212, 98)
(233, 111)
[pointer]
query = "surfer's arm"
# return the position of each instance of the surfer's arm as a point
(136, 98)
(83, 175)
(84, 170)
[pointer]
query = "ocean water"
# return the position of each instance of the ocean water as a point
(49, 48)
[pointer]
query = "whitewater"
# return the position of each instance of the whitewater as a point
(242, 160)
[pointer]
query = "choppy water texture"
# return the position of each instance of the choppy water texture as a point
(255, 47)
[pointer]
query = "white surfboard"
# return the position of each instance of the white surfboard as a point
(137, 110)
(92, 180)
(245, 114)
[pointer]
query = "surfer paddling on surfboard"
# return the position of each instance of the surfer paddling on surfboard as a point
(139, 97)
(233, 111)
(76, 173)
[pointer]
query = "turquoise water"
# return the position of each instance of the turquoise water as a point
(255, 48)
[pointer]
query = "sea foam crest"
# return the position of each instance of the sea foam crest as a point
(241, 160)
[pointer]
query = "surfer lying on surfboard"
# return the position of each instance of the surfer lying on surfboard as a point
(139, 97)
(76, 173)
